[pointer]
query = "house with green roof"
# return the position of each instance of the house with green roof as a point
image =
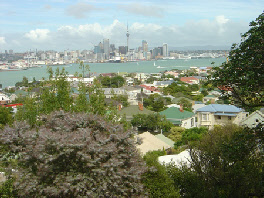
(133, 110)
(179, 117)
(165, 139)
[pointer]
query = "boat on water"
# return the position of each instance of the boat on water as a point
(57, 63)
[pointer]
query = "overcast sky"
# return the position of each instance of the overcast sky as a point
(78, 25)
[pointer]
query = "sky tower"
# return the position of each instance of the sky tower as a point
(127, 35)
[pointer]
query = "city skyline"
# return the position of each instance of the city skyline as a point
(65, 24)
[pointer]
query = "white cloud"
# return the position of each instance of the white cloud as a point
(2, 40)
(80, 10)
(219, 31)
(221, 19)
(143, 10)
(38, 35)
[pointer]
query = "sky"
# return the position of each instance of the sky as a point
(78, 25)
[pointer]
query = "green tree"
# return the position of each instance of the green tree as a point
(23, 83)
(96, 103)
(28, 112)
(112, 82)
(176, 133)
(191, 136)
(84, 68)
(154, 102)
(117, 81)
(244, 71)
(187, 105)
(151, 122)
(81, 103)
(226, 162)
(6, 116)
(156, 179)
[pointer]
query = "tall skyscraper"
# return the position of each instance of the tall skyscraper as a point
(145, 46)
(101, 47)
(112, 47)
(165, 50)
(127, 35)
(106, 48)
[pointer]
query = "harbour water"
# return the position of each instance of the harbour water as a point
(9, 78)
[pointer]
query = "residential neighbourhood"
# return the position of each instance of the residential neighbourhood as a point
(205, 112)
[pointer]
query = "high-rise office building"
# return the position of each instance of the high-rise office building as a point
(112, 47)
(156, 52)
(101, 47)
(165, 50)
(122, 49)
(145, 46)
(106, 48)
(97, 49)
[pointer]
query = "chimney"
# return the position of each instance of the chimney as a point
(140, 106)
(119, 107)
(181, 108)
(212, 101)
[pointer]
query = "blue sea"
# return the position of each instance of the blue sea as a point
(9, 78)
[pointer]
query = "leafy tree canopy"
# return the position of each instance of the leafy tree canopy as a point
(151, 122)
(226, 162)
(5, 116)
(243, 74)
(155, 102)
(74, 155)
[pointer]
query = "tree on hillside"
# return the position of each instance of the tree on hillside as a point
(5, 116)
(84, 68)
(156, 179)
(243, 73)
(74, 155)
(151, 122)
(155, 102)
(112, 82)
(226, 162)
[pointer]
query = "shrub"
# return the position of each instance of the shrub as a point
(75, 155)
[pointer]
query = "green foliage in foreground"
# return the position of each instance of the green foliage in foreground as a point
(6, 116)
(6, 189)
(227, 162)
(191, 136)
(244, 71)
(156, 179)
(74, 155)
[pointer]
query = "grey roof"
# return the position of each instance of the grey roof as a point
(113, 90)
(220, 108)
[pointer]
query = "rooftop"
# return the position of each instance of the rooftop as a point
(220, 108)
(174, 113)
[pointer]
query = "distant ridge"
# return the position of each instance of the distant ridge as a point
(205, 47)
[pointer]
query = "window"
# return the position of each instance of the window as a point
(229, 117)
(205, 117)
(192, 121)
(219, 117)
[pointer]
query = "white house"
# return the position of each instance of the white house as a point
(255, 118)
(219, 114)
(4, 99)
(110, 92)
